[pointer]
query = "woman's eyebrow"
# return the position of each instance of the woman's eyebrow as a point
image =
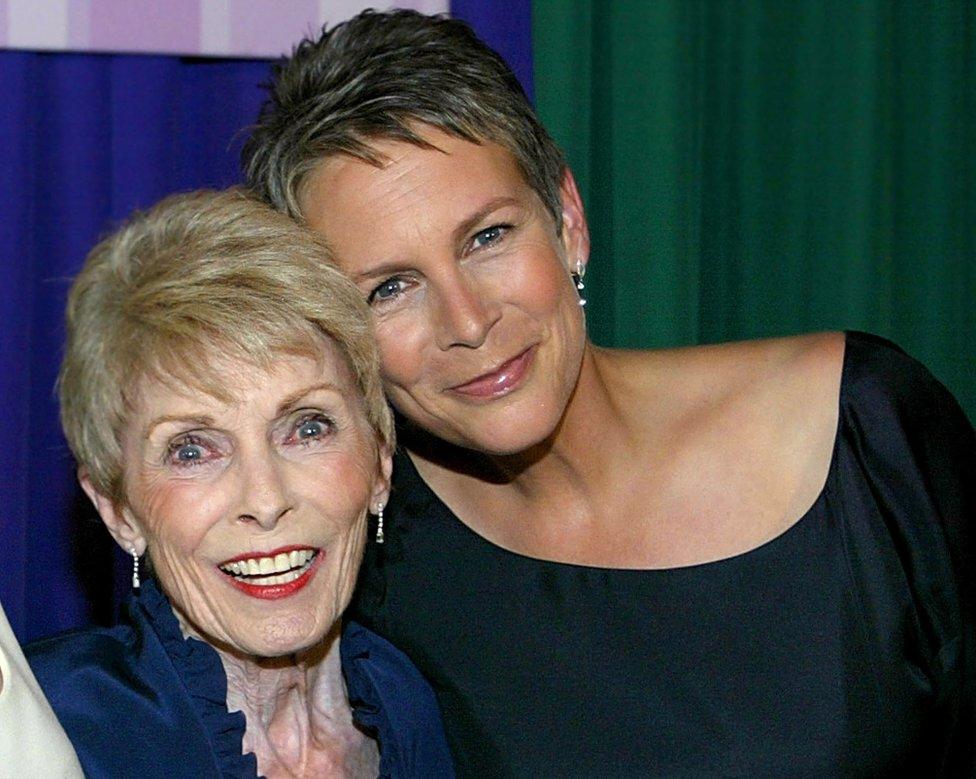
(293, 399)
(384, 269)
(459, 234)
(462, 230)
(195, 419)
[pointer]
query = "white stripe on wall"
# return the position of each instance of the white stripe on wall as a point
(38, 24)
(215, 26)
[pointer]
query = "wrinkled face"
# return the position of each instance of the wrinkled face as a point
(254, 512)
(479, 326)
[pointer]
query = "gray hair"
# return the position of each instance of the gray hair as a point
(382, 76)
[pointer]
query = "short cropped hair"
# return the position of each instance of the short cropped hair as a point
(383, 76)
(200, 278)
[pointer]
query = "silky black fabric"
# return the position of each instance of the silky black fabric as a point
(140, 700)
(843, 647)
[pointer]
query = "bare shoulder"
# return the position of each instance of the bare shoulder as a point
(801, 369)
(742, 433)
(792, 369)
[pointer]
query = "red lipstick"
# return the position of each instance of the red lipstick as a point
(249, 583)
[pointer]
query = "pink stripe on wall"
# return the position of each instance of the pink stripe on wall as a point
(145, 25)
(227, 28)
(292, 21)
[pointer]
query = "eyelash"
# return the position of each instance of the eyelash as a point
(374, 295)
(500, 230)
(185, 440)
(172, 451)
(328, 426)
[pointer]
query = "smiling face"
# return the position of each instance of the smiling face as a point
(253, 512)
(479, 327)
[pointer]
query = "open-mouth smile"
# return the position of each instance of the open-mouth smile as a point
(276, 574)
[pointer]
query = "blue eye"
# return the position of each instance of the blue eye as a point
(488, 236)
(387, 290)
(313, 428)
(186, 452)
(189, 453)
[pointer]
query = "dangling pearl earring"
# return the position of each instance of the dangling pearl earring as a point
(577, 276)
(135, 568)
(379, 523)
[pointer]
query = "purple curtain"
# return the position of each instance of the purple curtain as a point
(84, 140)
(506, 26)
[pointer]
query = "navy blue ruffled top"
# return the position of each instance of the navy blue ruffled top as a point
(139, 699)
(844, 647)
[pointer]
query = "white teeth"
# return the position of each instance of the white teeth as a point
(280, 569)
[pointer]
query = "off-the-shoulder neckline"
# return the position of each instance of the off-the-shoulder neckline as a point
(765, 547)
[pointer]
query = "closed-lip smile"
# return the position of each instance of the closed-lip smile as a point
(500, 381)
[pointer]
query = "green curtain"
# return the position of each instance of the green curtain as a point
(760, 168)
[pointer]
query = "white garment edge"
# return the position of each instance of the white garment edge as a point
(32, 741)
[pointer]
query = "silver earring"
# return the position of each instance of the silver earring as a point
(135, 568)
(379, 523)
(578, 280)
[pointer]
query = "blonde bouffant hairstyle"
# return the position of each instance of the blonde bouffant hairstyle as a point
(199, 279)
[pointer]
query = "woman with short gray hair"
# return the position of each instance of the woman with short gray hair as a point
(747, 559)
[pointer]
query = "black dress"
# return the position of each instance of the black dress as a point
(843, 647)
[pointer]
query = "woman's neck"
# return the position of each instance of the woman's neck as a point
(565, 491)
(592, 418)
(298, 719)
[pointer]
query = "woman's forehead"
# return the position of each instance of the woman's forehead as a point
(373, 217)
(221, 381)
(459, 169)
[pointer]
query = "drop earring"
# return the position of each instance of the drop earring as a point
(379, 523)
(135, 568)
(577, 276)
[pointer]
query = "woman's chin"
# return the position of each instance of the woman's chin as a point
(281, 637)
(241, 632)
(505, 440)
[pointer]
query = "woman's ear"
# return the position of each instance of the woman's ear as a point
(381, 487)
(575, 232)
(118, 519)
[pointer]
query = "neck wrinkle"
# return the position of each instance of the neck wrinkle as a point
(294, 706)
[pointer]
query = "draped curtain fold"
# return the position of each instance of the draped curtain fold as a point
(759, 168)
(86, 139)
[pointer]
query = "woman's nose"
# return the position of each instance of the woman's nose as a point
(264, 493)
(463, 314)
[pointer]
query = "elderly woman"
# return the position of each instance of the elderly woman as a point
(749, 559)
(220, 393)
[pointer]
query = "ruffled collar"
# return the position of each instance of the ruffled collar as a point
(202, 673)
(393, 702)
